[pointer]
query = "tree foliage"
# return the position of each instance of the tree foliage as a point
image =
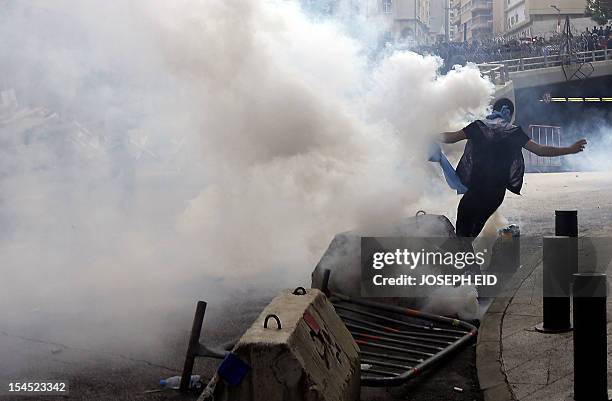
(600, 11)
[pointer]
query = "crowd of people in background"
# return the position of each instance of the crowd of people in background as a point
(498, 49)
(598, 38)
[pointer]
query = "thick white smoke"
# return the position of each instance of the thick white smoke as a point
(597, 156)
(227, 142)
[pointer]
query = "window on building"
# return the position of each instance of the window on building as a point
(387, 6)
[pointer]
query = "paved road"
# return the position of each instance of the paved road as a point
(112, 376)
(126, 372)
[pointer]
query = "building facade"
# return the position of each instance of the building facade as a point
(413, 22)
(473, 20)
(409, 20)
(439, 20)
(453, 16)
(514, 19)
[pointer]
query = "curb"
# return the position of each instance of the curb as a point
(489, 353)
(489, 363)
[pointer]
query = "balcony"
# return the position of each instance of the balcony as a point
(512, 4)
(481, 23)
(479, 20)
(482, 5)
(483, 27)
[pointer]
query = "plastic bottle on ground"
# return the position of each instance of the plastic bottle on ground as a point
(174, 382)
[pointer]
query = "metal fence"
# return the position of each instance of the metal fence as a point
(547, 135)
(573, 65)
(555, 60)
(497, 73)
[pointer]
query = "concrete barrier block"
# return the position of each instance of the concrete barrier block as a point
(312, 357)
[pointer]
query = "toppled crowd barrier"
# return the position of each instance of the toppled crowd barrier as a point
(343, 260)
(343, 256)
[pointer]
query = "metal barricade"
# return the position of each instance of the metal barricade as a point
(397, 344)
(547, 135)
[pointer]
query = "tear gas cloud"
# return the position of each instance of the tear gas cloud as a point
(186, 150)
(595, 126)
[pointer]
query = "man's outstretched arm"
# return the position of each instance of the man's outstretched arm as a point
(452, 137)
(551, 151)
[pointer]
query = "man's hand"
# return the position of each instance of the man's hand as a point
(578, 146)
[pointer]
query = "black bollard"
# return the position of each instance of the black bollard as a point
(556, 283)
(566, 224)
(590, 337)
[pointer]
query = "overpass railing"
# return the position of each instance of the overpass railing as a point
(497, 73)
(553, 60)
